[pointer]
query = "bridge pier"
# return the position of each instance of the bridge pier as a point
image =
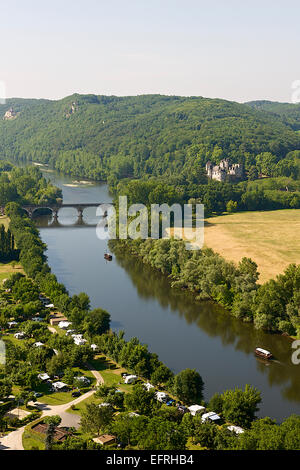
(55, 214)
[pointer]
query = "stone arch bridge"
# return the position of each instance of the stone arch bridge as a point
(54, 208)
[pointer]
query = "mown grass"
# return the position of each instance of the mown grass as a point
(270, 238)
(7, 269)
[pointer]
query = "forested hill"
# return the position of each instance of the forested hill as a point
(94, 136)
(290, 113)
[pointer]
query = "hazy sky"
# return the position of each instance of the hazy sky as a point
(233, 49)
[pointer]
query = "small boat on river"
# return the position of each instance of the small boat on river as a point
(263, 353)
(108, 256)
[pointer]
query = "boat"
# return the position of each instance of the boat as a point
(108, 256)
(263, 353)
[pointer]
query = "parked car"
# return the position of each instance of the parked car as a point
(170, 402)
(37, 394)
(76, 393)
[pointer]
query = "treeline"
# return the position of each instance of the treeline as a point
(8, 251)
(264, 194)
(26, 186)
(273, 306)
(113, 137)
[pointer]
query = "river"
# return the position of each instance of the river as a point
(184, 334)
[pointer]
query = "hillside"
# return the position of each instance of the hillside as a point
(290, 113)
(94, 136)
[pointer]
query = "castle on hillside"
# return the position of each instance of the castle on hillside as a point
(224, 171)
(10, 114)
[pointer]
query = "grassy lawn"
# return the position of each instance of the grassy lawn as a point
(4, 220)
(191, 446)
(60, 398)
(32, 440)
(6, 269)
(111, 372)
(77, 409)
(10, 337)
(270, 238)
(59, 331)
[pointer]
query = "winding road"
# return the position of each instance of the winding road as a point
(13, 440)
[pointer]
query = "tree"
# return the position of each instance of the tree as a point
(5, 388)
(188, 386)
(160, 434)
(161, 375)
(216, 403)
(96, 418)
(141, 400)
(55, 420)
(49, 436)
(69, 376)
(231, 206)
(204, 433)
(127, 428)
(96, 322)
(240, 406)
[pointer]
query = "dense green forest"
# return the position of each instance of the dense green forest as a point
(290, 113)
(25, 186)
(138, 136)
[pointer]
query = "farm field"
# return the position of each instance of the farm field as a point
(270, 238)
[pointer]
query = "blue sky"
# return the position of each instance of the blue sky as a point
(237, 50)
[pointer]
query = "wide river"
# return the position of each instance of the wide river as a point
(184, 334)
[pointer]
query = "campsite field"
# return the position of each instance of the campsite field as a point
(270, 238)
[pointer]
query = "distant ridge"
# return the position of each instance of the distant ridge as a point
(98, 136)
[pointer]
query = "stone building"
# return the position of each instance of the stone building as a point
(224, 171)
(10, 114)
